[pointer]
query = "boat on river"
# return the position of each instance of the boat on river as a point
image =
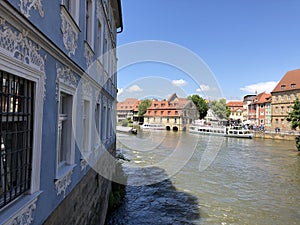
(236, 131)
(126, 129)
(152, 126)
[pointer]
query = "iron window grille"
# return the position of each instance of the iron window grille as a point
(16, 110)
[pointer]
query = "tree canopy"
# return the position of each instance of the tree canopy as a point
(294, 116)
(220, 108)
(143, 106)
(201, 105)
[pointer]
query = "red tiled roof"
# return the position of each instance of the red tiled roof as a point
(261, 98)
(235, 104)
(290, 81)
(136, 105)
(171, 107)
(264, 97)
(127, 104)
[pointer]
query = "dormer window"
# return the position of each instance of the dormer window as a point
(293, 85)
(282, 87)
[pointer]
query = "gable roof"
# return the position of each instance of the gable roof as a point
(261, 98)
(289, 82)
(235, 104)
(127, 104)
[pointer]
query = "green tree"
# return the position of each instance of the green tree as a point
(294, 118)
(201, 105)
(143, 106)
(220, 108)
(124, 123)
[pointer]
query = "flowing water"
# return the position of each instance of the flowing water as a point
(182, 178)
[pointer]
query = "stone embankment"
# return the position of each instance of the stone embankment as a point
(282, 135)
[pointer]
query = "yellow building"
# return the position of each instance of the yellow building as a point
(283, 97)
(236, 110)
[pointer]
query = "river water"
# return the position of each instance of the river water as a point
(182, 178)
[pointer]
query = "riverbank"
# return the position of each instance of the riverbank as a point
(287, 136)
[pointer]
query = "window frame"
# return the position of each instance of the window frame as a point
(17, 68)
(72, 9)
(89, 23)
(61, 170)
(86, 127)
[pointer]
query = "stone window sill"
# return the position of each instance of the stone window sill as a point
(20, 210)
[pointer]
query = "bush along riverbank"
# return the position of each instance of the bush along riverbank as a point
(298, 142)
(118, 189)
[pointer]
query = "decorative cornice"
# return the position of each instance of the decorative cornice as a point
(19, 46)
(88, 54)
(25, 216)
(62, 184)
(69, 30)
(27, 5)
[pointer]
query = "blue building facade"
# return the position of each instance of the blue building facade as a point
(57, 100)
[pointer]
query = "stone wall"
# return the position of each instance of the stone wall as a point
(275, 136)
(88, 202)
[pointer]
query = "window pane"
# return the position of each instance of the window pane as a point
(64, 128)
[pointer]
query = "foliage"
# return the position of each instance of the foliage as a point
(118, 189)
(298, 142)
(294, 116)
(143, 106)
(201, 105)
(124, 123)
(220, 108)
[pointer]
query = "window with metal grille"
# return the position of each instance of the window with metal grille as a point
(16, 110)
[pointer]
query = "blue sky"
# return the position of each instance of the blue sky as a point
(247, 45)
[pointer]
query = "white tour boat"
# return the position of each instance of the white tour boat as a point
(238, 132)
(152, 126)
(219, 131)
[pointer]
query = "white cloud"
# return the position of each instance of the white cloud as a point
(134, 88)
(260, 87)
(179, 83)
(120, 91)
(203, 87)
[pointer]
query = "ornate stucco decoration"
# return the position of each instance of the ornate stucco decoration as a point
(83, 164)
(66, 76)
(70, 31)
(88, 54)
(24, 216)
(98, 9)
(27, 5)
(16, 44)
(98, 96)
(104, 100)
(87, 89)
(19, 46)
(63, 183)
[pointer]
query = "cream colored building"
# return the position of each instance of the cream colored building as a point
(283, 97)
(174, 113)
